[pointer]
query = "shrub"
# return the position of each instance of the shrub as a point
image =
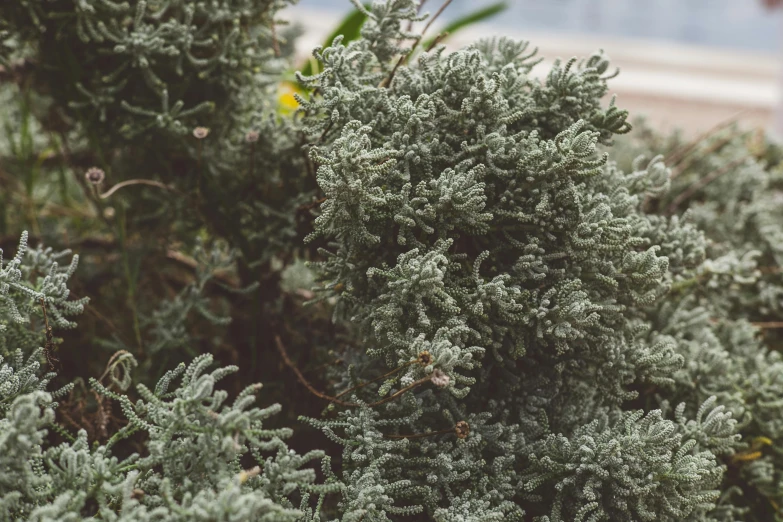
(481, 307)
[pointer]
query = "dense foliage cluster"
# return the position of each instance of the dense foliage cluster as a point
(196, 438)
(475, 294)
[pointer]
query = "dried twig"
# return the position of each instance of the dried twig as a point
(418, 10)
(431, 20)
(130, 182)
(17, 72)
(326, 130)
(400, 392)
(51, 360)
(314, 204)
(768, 325)
(404, 58)
(688, 161)
(420, 435)
(275, 43)
(191, 263)
(677, 156)
(107, 321)
(387, 81)
(287, 360)
(387, 374)
(113, 358)
(703, 182)
(461, 430)
(435, 41)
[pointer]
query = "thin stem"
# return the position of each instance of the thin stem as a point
(703, 182)
(768, 324)
(51, 360)
(421, 435)
(418, 10)
(400, 392)
(199, 175)
(688, 161)
(130, 182)
(314, 204)
(327, 129)
(404, 58)
(252, 159)
(387, 81)
(376, 379)
(677, 156)
(275, 43)
(107, 321)
(435, 41)
(129, 280)
(437, 14)
(109, 363)
(287, 360)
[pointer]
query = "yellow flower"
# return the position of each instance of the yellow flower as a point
(286, 97)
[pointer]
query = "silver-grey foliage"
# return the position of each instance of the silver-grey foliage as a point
(534, 332)
(495, 256)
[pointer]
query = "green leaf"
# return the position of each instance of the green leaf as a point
(350, 28)
(471, 18)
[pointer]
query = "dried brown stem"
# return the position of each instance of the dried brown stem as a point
(418, 10)
(431, 20)
(326, 130)
(314, 204)
(461, 430)
(387, 81)
(682, 167)
(768, 325)
(400, 392)
(113, 358)
(375, 380)
(438, 39)
(252, 159)
(51, 360)
(275, 43)
(287, 360)
(130, 182)
(404, 58)
(677, 156)
(420, 435)
(107, 321)
(326, 365)
(703, 182)
(191, 263)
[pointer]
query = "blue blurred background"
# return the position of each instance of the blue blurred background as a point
(686, 64)
(732, 24)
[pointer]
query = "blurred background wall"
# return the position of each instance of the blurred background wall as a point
(684, 63)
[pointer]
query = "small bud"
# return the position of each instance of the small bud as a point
(246, 474)
(109, 212)
(94, 176)
(200, 133)
(137, 493)
(425, 358)
(462, 429)
(251, 136)
(440, 379)
(305, 294)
